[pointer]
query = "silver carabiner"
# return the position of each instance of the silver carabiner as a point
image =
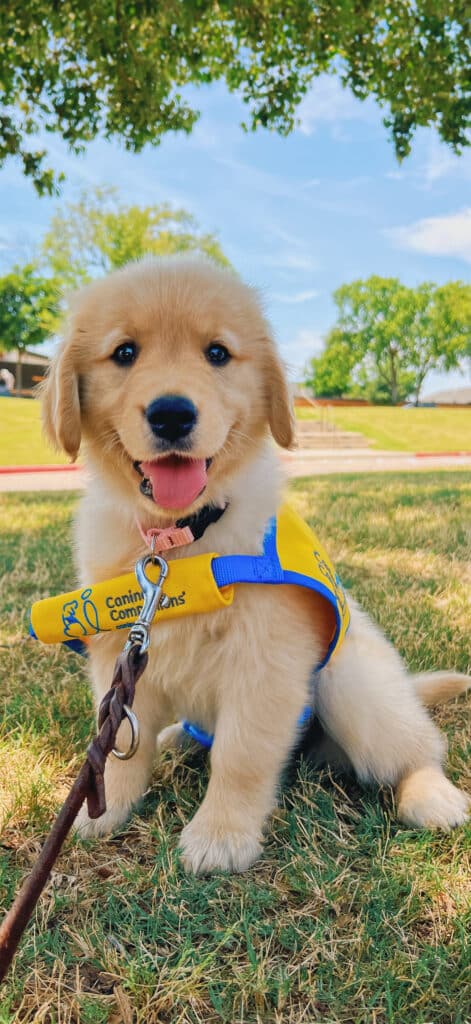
(153, 598)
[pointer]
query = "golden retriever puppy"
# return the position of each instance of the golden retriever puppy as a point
(170, 375)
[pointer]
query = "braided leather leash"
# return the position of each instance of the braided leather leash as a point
(89, 784)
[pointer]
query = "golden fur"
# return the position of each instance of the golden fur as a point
(242, 673)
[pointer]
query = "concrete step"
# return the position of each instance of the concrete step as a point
(305, 426)
(331, 439)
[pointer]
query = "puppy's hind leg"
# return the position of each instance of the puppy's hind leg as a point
(368, 705)
(427, 799)
(173, 737)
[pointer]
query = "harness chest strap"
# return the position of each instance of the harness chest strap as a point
(199, 584)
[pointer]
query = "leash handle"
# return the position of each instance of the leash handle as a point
(20, 912)
(89, 784)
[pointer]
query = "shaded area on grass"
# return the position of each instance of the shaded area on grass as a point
(347, 918)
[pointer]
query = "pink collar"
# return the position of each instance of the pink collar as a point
(184, 531)
(159, 540)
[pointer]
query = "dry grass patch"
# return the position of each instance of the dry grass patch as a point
(347, 919)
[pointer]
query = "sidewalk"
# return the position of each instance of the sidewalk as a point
(315, 462)
(58, 478)
(322, 461)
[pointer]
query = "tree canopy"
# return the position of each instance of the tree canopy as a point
(28, 310)
(99, 233)
(120, 69)
(388, 337)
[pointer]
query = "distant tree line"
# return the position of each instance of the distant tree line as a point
(86, 239)
(388, 337)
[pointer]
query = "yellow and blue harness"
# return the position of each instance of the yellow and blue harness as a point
(292, 554)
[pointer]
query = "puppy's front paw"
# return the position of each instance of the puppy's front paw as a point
(208, 847)
(91, 828)
(427, 799)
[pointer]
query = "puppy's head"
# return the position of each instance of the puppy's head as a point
(170, 374)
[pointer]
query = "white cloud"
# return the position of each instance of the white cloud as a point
(298, 350)
(249, 176)
(275, 229)
(329, 102)
(291, 260)
(449, 235)
(435, 164)
(296, 297)
(441, 162)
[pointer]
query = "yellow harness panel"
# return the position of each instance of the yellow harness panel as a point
(301, 552)
(291, 554)
(116, 603)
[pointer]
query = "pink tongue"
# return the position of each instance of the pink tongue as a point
(176, 483)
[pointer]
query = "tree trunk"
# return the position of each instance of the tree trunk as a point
(420, 382)
(394, 387)
(19, 371)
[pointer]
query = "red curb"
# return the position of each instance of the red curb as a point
(434, 455)
(40, 469)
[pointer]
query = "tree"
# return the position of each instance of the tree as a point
(329, 375)
(98, 233)
(388, 337)
(120, 69)
(28, 311)
(440, 337)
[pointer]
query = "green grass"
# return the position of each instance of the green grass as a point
(427, 430)
(404, 430)
(21, 440)
(349, 917)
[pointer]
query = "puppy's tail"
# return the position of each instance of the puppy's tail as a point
(438, 687)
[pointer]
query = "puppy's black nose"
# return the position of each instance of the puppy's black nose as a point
(171, 417)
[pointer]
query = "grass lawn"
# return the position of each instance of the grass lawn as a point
(349, 917)
(427, 430)
(21, 440)
(404, 430)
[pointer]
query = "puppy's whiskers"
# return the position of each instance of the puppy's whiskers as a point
(236, 435)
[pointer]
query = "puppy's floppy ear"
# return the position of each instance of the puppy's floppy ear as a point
(61, 403)
(280, 405)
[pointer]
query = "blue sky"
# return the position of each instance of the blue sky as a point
(298, 216)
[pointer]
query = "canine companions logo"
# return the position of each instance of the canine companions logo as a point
(126, 606)
(80, 618)
(334, 581)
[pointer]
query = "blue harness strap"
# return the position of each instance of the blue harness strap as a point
(265, 568)
(206, 739)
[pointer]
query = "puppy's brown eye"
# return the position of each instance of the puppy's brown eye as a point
(125, 354)
(217, 354)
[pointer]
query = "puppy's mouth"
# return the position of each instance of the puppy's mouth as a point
(173, 482)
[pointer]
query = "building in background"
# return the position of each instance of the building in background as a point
(449, 397)
(33, 369)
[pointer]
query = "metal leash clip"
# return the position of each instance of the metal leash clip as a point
(139, 634)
